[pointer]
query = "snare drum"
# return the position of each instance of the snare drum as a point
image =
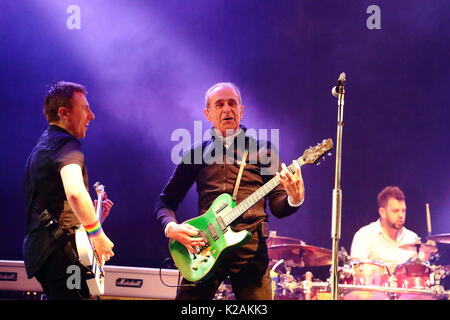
(370, 274)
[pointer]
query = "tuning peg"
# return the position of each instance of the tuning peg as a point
(317, 163)
(329, 154)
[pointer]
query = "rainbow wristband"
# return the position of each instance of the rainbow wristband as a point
(93, 229)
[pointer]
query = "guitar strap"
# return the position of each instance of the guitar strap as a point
(263, 227)
(241, 170)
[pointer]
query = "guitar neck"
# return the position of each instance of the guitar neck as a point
(232, 215)
(98, 209)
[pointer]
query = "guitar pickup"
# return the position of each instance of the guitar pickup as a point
(221, 224)
(213, 232)
(222, 206)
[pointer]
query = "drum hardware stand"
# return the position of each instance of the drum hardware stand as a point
(306, 285)
(436, 275)
(392, 295)
(418, 250)
(287, 279)
(438, 290)
(338, 92)
(392, 284)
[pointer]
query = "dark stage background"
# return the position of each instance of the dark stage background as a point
(147, 64)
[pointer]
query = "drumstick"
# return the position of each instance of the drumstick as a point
(427, 206)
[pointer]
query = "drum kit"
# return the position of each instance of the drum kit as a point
(416, 279)
(293, 263)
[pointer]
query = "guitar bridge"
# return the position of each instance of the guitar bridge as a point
(203, 236)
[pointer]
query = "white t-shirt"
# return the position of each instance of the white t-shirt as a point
(371, 243)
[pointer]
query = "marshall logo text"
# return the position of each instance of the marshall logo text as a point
(126, 282)
(8, 276)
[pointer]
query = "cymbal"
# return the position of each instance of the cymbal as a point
(276, 240)
(418, 245)
(316, 256)
(301, 255)
(424, 250)
(440, 238)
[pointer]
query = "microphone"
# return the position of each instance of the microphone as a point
(340, 83)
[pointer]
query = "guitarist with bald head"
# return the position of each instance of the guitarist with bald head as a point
(241, 233)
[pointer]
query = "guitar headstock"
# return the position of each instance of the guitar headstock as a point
(313, 154)
(99, 188)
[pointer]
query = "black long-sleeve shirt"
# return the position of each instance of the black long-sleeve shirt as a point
(213, 179)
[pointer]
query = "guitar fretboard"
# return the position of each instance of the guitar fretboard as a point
(242, 207)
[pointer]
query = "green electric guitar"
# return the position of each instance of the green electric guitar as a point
(214, 225)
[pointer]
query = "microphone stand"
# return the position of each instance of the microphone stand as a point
(337, 192)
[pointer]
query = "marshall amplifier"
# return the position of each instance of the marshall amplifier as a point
(120, 282)
(141, 283)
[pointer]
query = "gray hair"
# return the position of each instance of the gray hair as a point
(222, 84)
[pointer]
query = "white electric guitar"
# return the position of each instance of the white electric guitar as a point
(95, 276)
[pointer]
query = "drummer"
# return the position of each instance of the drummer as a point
(380, 240)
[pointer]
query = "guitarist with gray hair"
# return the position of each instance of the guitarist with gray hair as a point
(247, 263)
